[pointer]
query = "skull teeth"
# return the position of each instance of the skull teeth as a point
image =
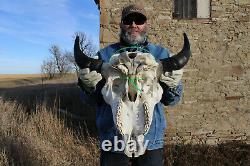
(119, 123)
(118, 117)
(147, 121)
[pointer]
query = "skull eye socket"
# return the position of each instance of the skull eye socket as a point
(118, 85)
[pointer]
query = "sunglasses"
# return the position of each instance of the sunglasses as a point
(136, 20)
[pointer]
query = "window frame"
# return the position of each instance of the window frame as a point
(180, 12)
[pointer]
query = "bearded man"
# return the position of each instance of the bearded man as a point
(133, 37)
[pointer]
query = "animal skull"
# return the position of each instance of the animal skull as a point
(132, 90)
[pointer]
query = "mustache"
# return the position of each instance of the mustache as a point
(128, 31)
(128, 37)
(133, 29)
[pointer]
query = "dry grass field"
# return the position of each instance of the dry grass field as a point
(33, 131)
(14, 80)
(41, 138)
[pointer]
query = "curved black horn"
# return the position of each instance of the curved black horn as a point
(83, 61)
(179, 60)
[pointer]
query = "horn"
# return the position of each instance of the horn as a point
(179, 60)
(83, 61)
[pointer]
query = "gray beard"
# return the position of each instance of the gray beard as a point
(130, 39)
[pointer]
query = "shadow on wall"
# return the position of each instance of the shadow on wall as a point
(65, 97)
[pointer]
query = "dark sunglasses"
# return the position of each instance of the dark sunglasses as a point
(136, 20)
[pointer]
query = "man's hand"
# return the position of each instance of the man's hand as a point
(89, 79)
(173, 78)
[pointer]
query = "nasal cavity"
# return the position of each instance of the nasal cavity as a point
(132, 55)
(132, 96)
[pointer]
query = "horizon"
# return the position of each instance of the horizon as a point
(29, 28)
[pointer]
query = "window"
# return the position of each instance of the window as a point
(188, 9)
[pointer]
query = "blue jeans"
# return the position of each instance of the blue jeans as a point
(149, 158)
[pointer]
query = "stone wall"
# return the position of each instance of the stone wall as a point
(216, 101)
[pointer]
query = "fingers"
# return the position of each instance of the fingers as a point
(83, 71)
(173, 78)
(93, 75)
(89, 79)
(174, 73)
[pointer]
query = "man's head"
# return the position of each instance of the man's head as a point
(133, 24)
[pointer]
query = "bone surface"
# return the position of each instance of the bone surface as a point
(132, 90)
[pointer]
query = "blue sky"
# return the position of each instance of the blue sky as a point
(29, 27)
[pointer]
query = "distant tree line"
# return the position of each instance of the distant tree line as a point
(62, 62)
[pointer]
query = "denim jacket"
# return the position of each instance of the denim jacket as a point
(104, 119)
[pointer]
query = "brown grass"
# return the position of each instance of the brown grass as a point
(235, 153)
(15, 80)
(16, 76)
(41, 138)
(3, 158)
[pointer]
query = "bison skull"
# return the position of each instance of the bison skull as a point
(132, 90)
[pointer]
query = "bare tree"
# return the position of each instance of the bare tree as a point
(87, 47)
(61, 63)
(48, 69)
(60, 60)
(86, 44)
(70, 58)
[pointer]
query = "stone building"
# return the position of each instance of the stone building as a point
(215, 106)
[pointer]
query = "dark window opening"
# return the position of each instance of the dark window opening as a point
(185, 9)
